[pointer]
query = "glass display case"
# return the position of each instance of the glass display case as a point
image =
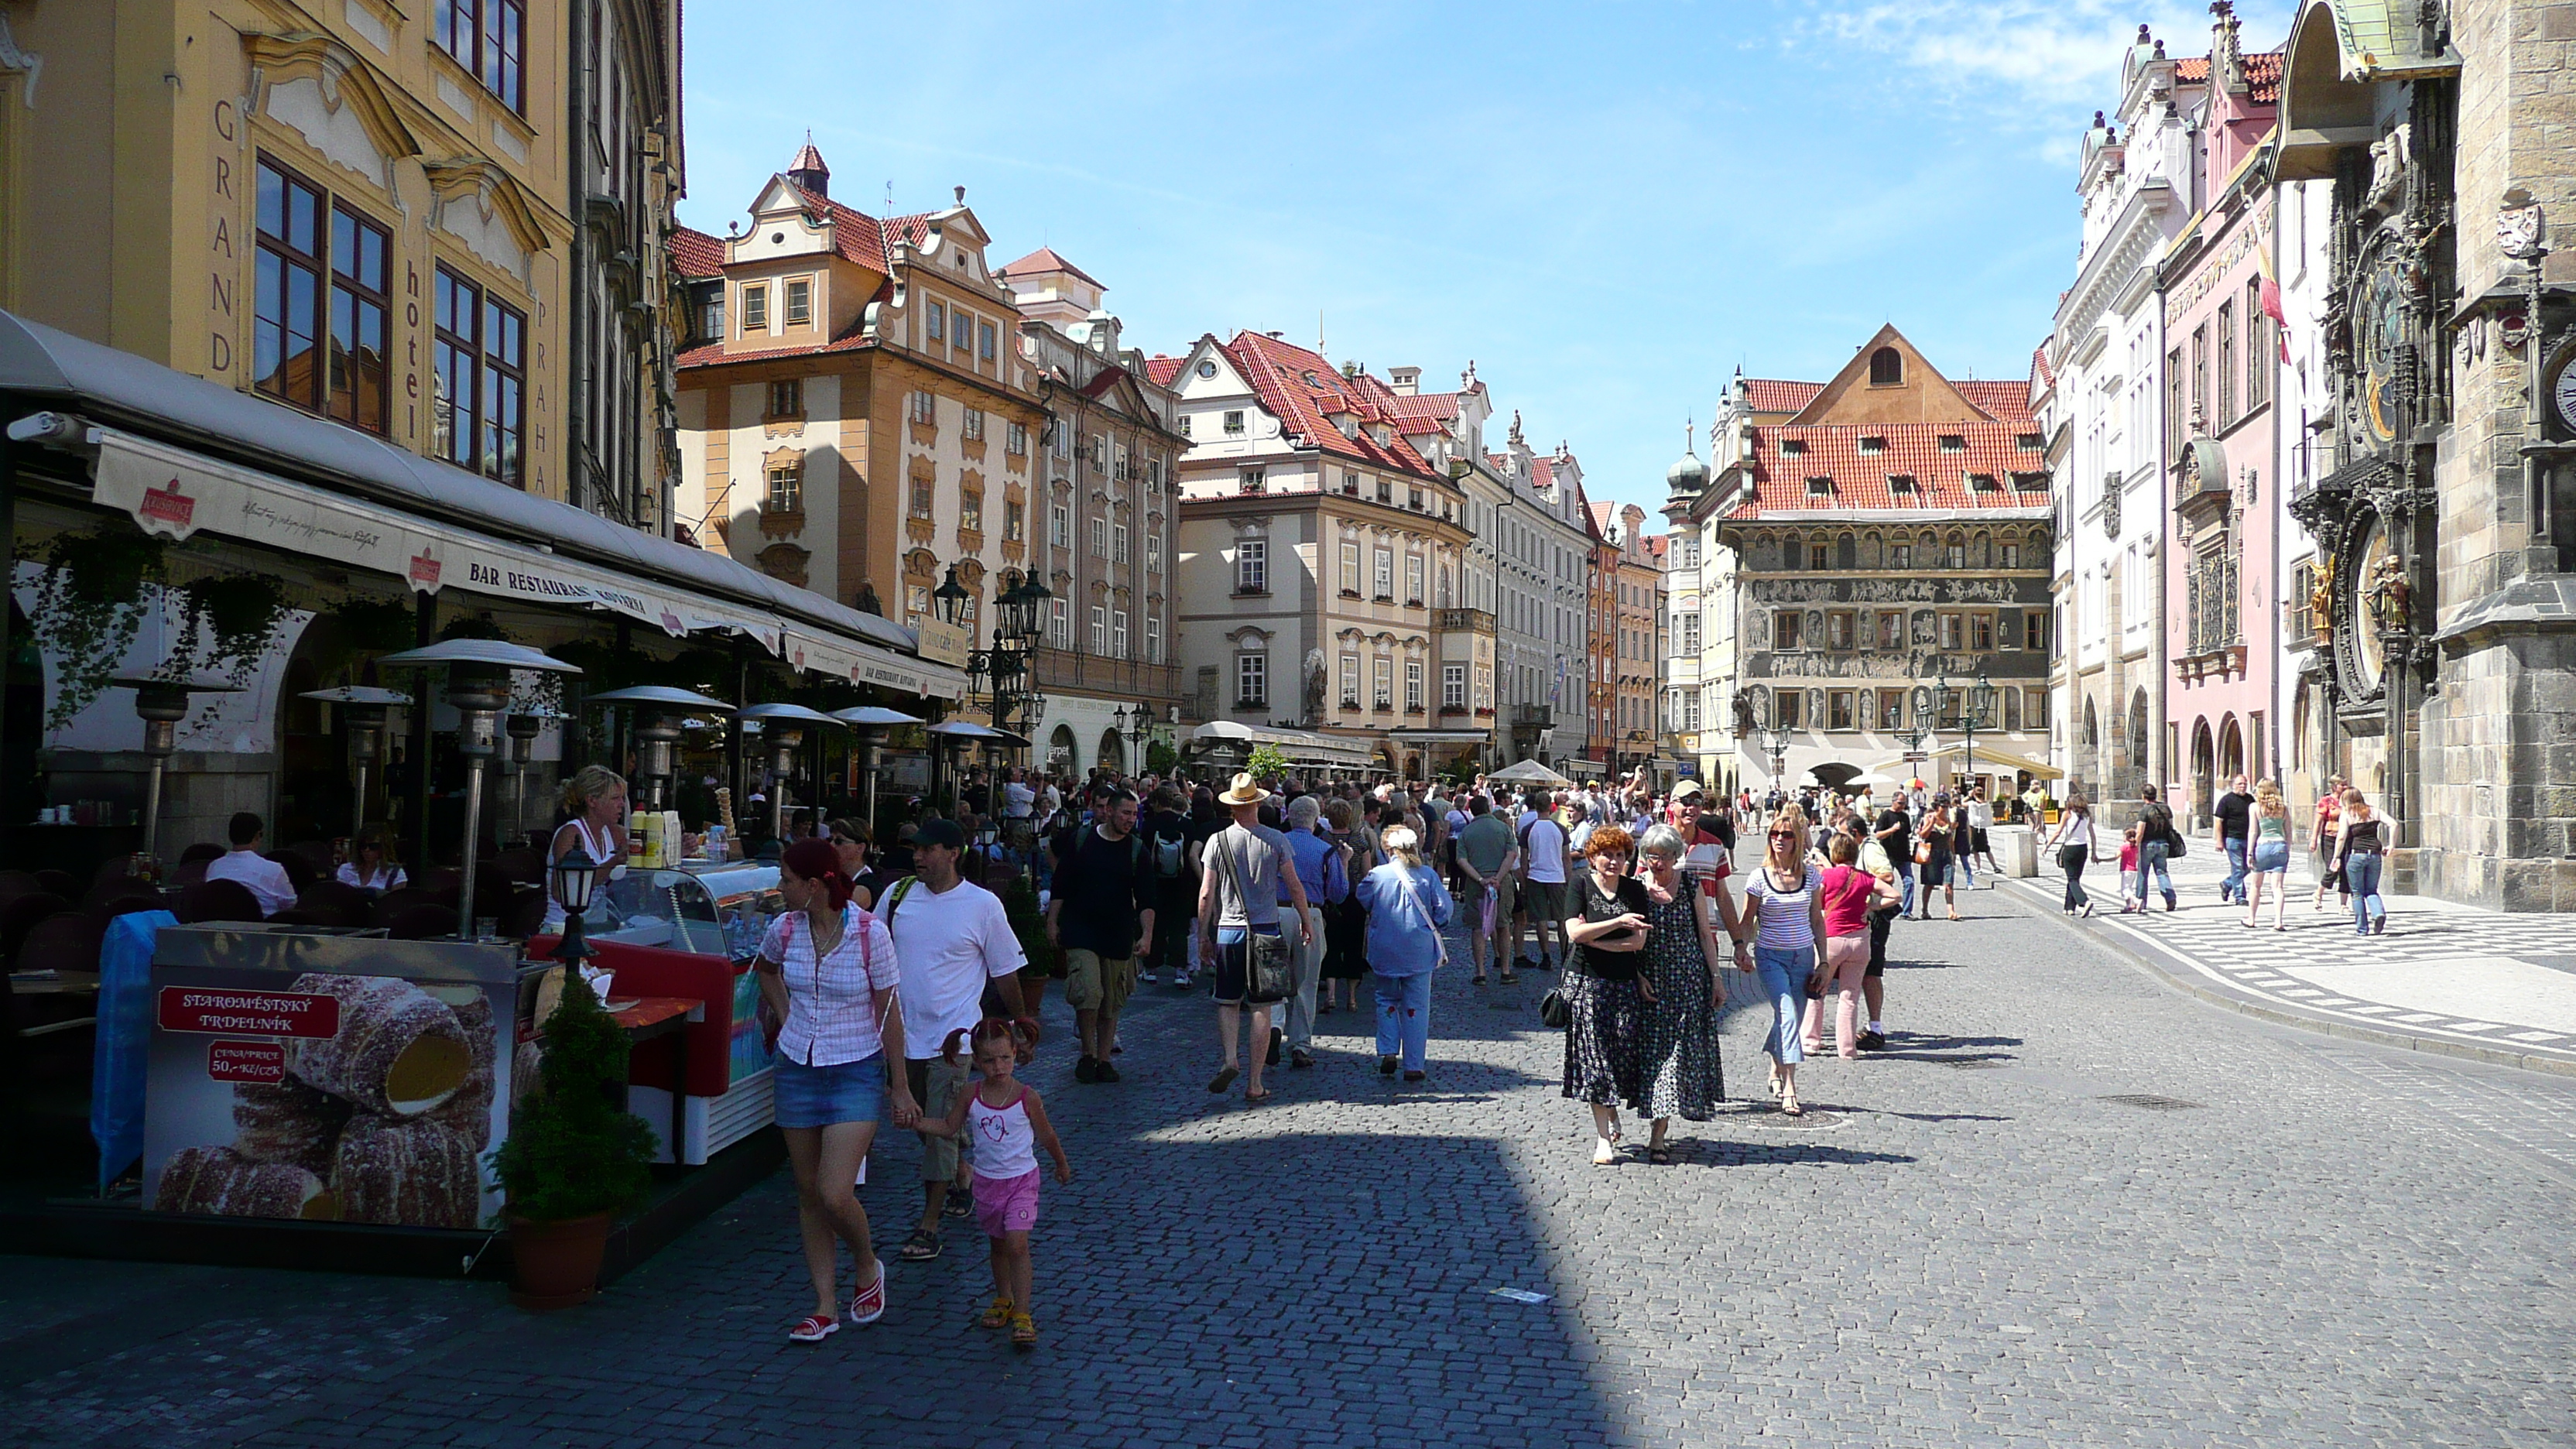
(712, 908)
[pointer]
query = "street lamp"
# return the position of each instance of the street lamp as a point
(1019, 619)
(950, 596)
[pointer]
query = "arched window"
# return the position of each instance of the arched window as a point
(1886, 368)
(1790, 552)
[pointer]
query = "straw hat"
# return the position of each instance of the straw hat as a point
(1246, 791)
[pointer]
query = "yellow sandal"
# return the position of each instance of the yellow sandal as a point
(999, 1315)
(1024, 1331)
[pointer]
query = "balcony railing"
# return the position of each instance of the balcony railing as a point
(1472, 619)
(1124, 678)
(1539, 716)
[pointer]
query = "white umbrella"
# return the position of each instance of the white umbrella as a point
(1871, 778)
(1528, 772)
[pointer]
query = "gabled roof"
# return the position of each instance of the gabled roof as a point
(1860, 480)
(2262, 75)
(857, 236)
(1602, 516)
(1048, 259)
(696, 255)
(1300, 388)
(2006, 399)
(1771, 395)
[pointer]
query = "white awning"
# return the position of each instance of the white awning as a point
(177, 492)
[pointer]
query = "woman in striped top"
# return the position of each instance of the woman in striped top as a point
(1788, 946)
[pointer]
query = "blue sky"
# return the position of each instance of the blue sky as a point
(1606, 207)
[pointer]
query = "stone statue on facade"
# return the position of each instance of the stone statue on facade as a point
(1314, 685)
(2390, 594)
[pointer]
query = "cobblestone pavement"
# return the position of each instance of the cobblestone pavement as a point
(2446, 976)
(2070, 1206)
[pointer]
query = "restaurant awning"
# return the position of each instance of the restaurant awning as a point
(181, 454)
(1299, 747)
(2038, 768)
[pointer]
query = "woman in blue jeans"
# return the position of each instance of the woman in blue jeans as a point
(1407, 907)
(2363, 848)
(1788, 947)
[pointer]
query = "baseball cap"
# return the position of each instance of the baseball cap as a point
(940, 832)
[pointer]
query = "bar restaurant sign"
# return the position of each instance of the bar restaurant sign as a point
(944, 642)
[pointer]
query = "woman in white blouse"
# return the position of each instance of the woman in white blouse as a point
(371, 870)
(828, 980)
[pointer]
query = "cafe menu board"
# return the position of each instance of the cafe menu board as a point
(327, 1078)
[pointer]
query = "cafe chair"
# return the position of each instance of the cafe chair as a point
(183, 876)
(61, 882)
(524, 916)
(68, 942)
(299, 871)
(202, 850)
(16, 883)
(335, 903)
(440, 883)
(521, 866)
(20, 914)
(217, 900)
(380, 911)
(418, 922)
(299, 916)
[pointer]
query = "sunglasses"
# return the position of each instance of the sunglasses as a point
(1784, 835)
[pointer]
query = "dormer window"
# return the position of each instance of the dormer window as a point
(1873, 444)
(1902, 484)
(755, 309)
(2036, 482)
(1953, 443)
(2029, 442)
(1792, 447)
(1820, 487)
(1984, 483)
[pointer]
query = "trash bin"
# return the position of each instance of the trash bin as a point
(2017, 847)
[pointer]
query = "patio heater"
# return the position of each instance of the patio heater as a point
(523, 730)
(362, 709)
(870, 722)
(478, 688)
(659, 708)
(162, 703)
(784, 726)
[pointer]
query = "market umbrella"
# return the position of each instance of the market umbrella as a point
(1529, 772)
(1871, 778)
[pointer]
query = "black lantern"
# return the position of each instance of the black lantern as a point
(1024, 611)
(573, 873)
(951, 597)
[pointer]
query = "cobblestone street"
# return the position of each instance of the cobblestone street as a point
(2070, 1205)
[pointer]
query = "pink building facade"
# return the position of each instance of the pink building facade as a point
(2219, 430)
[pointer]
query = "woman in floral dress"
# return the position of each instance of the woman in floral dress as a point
(1683, 1078)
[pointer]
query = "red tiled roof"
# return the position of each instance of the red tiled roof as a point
(1658, 543)
(2262, 74)
(860, 237)
(1048, 259)
(853, 340)
(696, 254)
(1603, 514)
(1278, 372)
(1771, 395)
(1163, 369)
(2007, 399)
(1912, 450)
(2041, 374)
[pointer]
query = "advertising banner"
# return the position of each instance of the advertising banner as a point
(327, 1078)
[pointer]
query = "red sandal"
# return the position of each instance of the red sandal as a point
(813, 1328)
(868, 1304)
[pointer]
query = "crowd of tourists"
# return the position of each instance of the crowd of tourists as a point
(1280, 898)
(2349, 839)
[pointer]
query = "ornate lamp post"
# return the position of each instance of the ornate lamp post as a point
(1775, 743)
(1019, 616)
(1132, 722)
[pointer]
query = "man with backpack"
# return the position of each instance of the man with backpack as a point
(2157, 843)
(1102, 914)
(1176, 884)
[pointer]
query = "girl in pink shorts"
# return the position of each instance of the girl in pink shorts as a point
(1009, 1124)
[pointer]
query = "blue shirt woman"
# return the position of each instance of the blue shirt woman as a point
(1407, 908)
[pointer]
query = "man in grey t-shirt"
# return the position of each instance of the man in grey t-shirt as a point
(1244, 868)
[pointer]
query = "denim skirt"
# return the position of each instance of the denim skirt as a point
(828, 1096)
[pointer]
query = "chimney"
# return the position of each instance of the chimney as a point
(1406, 381)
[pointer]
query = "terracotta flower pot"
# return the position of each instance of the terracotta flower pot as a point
(556, 1264)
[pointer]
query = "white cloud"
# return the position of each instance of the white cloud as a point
(2034, 59)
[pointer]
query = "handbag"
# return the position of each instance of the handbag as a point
(1266, 972)
(1554, 1011)
(1923, 852)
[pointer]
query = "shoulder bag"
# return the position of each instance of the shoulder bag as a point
(1266, 972)
(1413, 893)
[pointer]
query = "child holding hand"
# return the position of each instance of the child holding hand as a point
(1009, 1124)
(2133, 891)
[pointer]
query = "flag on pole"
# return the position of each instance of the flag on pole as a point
(2270, 297)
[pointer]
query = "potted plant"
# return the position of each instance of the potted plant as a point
(574, 1158)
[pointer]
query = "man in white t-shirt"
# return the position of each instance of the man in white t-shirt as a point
(951, 937)
(264, 878)
(1543, 848)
